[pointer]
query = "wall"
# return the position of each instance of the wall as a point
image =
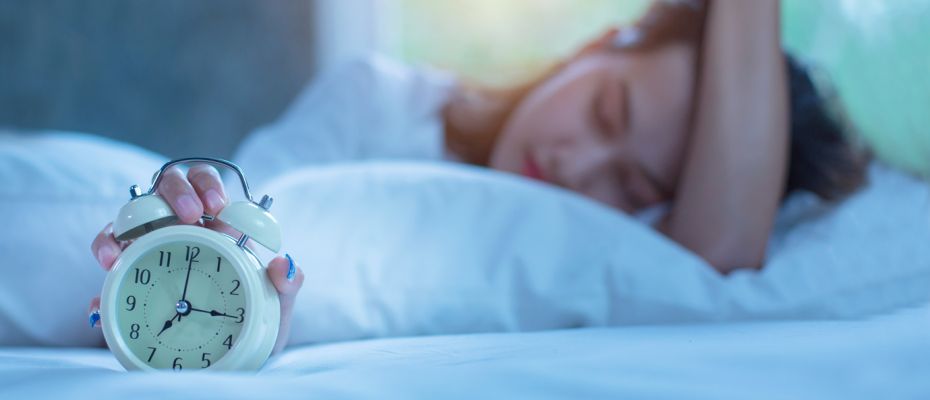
(178, 77)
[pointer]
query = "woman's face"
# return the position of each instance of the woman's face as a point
(610, 125)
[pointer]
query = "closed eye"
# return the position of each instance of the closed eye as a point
(612, 111)
(601, 112)
(626, 117)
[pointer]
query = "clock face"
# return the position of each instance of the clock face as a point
(180, 306)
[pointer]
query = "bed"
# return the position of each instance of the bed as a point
(550, 295)
(880, 357)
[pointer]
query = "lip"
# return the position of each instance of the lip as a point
(531, 169)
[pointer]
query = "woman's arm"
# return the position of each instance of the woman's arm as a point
(736, 164)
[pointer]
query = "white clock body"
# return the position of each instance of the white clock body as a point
(147, 327)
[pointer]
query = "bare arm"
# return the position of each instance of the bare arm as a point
(736, 164)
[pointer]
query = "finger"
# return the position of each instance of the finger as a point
(105, 247)
(93, 312)
(278, 271)
(208, 185)
(179, 193)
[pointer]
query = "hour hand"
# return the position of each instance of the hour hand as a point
(168, 324)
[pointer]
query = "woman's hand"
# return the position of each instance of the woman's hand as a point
(201, 191)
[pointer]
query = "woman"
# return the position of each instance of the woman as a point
(670, 115)
(695, 107)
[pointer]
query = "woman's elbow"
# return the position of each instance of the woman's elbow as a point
(726, 261)
(725, 249)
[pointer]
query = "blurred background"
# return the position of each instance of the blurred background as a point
(194, 77)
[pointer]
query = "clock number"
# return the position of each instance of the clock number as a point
(218, 259)
(233, 292)
(241, 315)
(164, 259)
(177, 364)
(228, 342)
(206, 360)
(131, 301)
(134, 331)
(143, 276)
(152, 354)
(192, 253)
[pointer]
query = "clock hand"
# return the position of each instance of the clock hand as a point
(214, 313)
(187, 279)
(168, 323)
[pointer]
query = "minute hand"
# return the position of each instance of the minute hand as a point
(214, 313)
(187, 279)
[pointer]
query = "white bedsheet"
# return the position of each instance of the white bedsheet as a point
(881, 357)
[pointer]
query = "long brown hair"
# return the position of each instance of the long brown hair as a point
(825, 158)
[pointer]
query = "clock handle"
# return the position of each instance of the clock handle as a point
(156, 179)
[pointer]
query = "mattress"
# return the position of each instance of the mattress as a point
(886, 356)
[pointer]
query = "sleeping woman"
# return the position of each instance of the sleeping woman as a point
(694, 111)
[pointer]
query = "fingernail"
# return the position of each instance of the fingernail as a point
(94, 318)
(187, 207)
(104, 255)
(291, 269)
(214, 200)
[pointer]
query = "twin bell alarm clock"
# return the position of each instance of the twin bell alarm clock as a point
(185, 297)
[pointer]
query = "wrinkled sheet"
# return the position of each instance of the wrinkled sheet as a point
(886, 356)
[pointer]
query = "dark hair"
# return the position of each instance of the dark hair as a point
(824, 160)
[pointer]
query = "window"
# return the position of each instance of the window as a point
(500, 42)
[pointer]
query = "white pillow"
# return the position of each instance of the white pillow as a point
(57, 190)
(867, 255)
(408, 249)
(403, 248)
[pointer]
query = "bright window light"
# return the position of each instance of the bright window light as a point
(496, 41)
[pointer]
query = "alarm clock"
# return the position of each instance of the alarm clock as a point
(185, 297)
